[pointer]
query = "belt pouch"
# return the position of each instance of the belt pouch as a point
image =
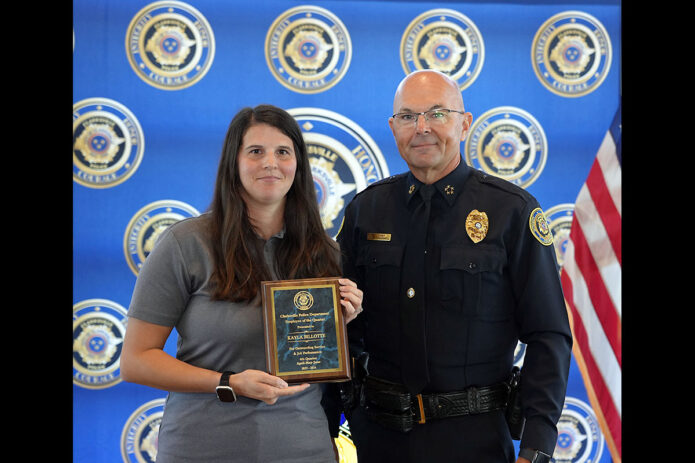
(387, 395)
(388, 404)
(395, 422)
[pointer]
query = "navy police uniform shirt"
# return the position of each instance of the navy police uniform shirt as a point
(485, 290)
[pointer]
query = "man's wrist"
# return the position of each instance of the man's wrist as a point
(534, 455)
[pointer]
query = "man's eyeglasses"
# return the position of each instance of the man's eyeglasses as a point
(433, 116)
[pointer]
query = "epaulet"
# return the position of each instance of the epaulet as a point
(502, 184)
(383, 181)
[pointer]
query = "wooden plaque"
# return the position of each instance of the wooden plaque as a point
(305, 335)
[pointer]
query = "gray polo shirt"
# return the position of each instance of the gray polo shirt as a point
(173, 289)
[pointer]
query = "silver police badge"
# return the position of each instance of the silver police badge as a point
(579, 438)
(560, 222)
(170, 45)
(139, 439)
(308, 49)
(444, 40)
(98, 328)
(509, 143)
(147, 225)
(107, 143)
(571, 53)
(344, 160)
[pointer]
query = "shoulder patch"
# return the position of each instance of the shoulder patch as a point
(539, 227)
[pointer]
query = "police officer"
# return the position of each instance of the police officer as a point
(456, 267)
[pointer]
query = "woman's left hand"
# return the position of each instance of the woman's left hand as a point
(350, 298)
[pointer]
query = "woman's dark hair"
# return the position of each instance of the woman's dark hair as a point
(305, 251)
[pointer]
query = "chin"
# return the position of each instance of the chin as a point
(426, 159)
(266, 198)
(271, 198)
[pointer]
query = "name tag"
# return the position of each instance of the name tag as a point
(379, 236)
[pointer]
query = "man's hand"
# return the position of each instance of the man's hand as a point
(350, 299)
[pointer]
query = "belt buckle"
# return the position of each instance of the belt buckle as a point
(421, 409)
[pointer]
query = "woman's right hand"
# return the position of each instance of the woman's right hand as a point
(260, 385)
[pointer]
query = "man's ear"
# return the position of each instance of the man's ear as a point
(466, 126)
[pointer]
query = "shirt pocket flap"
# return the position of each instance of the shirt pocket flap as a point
(473, 260)
(376, 256)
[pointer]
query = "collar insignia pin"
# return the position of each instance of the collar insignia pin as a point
(411, 189)
(449, 190)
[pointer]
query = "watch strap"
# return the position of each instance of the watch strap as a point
(224, 391)
(224, 379)
(534, 456)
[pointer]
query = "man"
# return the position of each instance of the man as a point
(450, 286)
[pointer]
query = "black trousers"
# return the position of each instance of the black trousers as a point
(482, 438)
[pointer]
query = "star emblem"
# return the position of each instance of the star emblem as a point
(449, 190)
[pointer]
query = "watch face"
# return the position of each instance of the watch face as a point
(226, 394)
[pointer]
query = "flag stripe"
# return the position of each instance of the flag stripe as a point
(598, 344)
(596, 290)
(601, 197)
(610, 167)
(586, 214)
(611, 429)
(609, 416)
(601, 390)
(592, 282)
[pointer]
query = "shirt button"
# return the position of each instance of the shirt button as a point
(410, 293)
(472, 265)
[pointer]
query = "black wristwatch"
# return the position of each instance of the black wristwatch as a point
(224, 391)
(534, 456)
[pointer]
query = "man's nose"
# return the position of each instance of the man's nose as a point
(422, 125)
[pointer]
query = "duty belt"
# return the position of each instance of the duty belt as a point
(391, 405)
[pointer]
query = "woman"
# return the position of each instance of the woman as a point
(203, 277)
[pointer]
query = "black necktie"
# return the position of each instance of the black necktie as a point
(413, 348)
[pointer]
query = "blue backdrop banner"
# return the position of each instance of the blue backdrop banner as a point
(155, 85)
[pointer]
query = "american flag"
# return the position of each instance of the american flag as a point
(591, 280)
